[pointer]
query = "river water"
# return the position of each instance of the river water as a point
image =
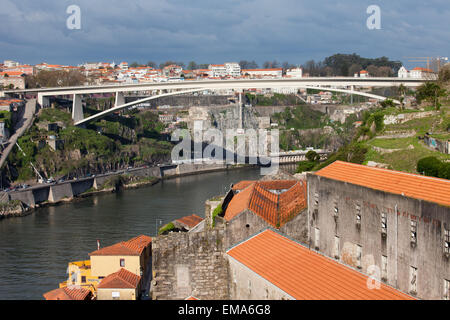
(35, 250)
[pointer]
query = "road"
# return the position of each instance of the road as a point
(20, 128)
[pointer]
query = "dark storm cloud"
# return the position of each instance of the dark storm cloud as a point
(217, 31)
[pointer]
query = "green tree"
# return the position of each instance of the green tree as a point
(432, 92)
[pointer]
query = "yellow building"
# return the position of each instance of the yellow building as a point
(131, 255)
(121, 285)
(80, 276)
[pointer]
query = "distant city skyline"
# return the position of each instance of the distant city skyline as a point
(205, 32)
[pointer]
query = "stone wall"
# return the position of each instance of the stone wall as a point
(191, 263)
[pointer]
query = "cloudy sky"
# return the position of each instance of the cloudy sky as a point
(210, 31)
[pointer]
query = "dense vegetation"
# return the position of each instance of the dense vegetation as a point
(349, 64)
(431, 166)
(109, 144)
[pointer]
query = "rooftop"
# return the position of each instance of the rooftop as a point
(305, 274)
(122, 279)
(67, 293)
(407, 184)
(276, 208)
(132, 247)
(190, 221)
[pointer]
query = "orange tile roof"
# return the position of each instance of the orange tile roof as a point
(122, 279)
(268, 184)
(132, 247)
(305, 274)
(275, 209)
(67, 293)
(191, 221)
(397, 182)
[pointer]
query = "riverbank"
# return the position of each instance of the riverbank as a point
(17, 208)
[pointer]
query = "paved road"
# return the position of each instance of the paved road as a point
(21, 127)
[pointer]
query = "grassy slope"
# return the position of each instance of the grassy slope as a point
(406, 159)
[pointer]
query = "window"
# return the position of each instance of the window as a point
(383, 223)
(83, 279)
(358, 255)
(446, 289)
(337, 249)
(115, 295)
(358, 216)
(413, 280)
(316, 238)
(384, 266)
(122, 263)
(446, 241)
(413, 231)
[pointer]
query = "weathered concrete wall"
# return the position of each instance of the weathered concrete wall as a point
(186, 264)
(243, 226)
(41, 194)
(79, 187)
(245, 284)
(60, 191)
(427, 256)
(26, 197)
(297, 228)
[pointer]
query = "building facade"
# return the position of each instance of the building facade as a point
(392, 223)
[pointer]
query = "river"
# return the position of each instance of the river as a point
(35, 250)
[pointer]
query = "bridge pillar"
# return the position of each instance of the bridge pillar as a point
(120, 99)
(43, 101)
(241, 125)
(77, 108)
(352, 88)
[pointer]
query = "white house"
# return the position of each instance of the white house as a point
(294, 73)
(403, 72)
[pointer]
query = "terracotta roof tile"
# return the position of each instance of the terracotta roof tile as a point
(402, 183)
(122, 279)
(305, 274)
(132, 247)
(276, 209)
(190, 221)
(68, 293)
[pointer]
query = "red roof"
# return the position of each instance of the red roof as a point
(397, 182)
(275, 209)
(122, 279)
(305, 274)
(68, 293)
(190, 221)
(132, 247)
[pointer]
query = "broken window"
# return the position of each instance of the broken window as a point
(447, 241)
(358, 255)
(446, 289)
(413, 280)
(413, 231)
(383, 223)
(337, 248)
(384, 266)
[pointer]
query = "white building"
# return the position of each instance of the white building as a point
(217, 70)
(264, 73)
(10, 63)
(294, 73)
(422, 73)
(403, 72)
(233, 69)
